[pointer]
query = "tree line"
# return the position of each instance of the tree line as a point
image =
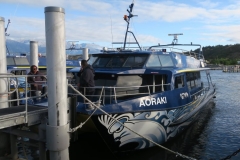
(227, 55)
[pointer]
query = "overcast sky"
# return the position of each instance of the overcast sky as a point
(206, 22)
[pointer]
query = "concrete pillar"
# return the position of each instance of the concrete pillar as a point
(85, 54)
(4, 138)
(58, 127)
(34, 53)
(3, 65)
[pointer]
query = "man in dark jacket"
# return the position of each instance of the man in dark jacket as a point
(35, 85)
(86, 75)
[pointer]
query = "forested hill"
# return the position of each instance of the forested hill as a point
(220, 52)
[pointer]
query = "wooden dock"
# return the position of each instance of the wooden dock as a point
(231, 68)
(16, 115)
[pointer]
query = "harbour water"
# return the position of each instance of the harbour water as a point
(216, 135)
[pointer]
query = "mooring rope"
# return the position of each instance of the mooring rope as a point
(74, 129)
(82, 123)
(231, 155)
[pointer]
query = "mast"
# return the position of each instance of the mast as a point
(127, 19)
(6, 34)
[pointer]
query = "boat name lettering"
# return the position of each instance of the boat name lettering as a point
(184, 95)
(152, 101)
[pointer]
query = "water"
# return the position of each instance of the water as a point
(215, 136)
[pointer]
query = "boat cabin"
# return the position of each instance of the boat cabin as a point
(132, 74)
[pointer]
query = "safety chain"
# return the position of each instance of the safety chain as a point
(97, 107)
(233, 154)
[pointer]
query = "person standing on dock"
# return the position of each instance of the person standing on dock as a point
(86, 75)
(34, 81)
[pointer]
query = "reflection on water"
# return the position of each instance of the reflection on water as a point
(214, 136)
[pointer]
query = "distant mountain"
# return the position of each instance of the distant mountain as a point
(17, 47)
(14, 47)
(76, 48)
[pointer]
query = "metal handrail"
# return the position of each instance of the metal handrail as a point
(172, 46)
(114, 93)
(5, 75)
(26, 89)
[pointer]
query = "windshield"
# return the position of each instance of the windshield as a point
(159, 61)
(111, 61)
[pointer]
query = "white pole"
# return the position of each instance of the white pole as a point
(34, 53)
(3, 65)
(85, 54)
(4, 138)
(57, 128)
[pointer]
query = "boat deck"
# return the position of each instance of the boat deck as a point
(16, 115)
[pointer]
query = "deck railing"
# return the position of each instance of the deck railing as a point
(109, 95)
(114, 94)
(18, 85)
(103, 94)
(172, 48)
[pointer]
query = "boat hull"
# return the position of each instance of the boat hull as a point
(158, 126)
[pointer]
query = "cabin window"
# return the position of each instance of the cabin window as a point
(120, 61)
(179, 81)
(127, 81)
(10, 61)
(21, 61)
(123, 87)
(160, 83)
(101, 62)
(135, 61)
(159, 61)
(24, 72)
(129, 86)
(105, 80)
(193, 79)
(141, 84)
(166, 60)
(19, 72)
(92, 59)
(153, 61)
(117, 61)
(177, 59)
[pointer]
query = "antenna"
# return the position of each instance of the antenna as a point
(7, 35)
(175, 37)
(73, 46)
(7, 28)
(111, 30)
(127, 19)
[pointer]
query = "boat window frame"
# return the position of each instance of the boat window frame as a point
(91, 60)
(126, 57)
(10, 61)
(21, 61)
(161, 62)
(193, 79)
(183, 81)
(148, 61)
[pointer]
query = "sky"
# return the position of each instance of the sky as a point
(205, 22)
